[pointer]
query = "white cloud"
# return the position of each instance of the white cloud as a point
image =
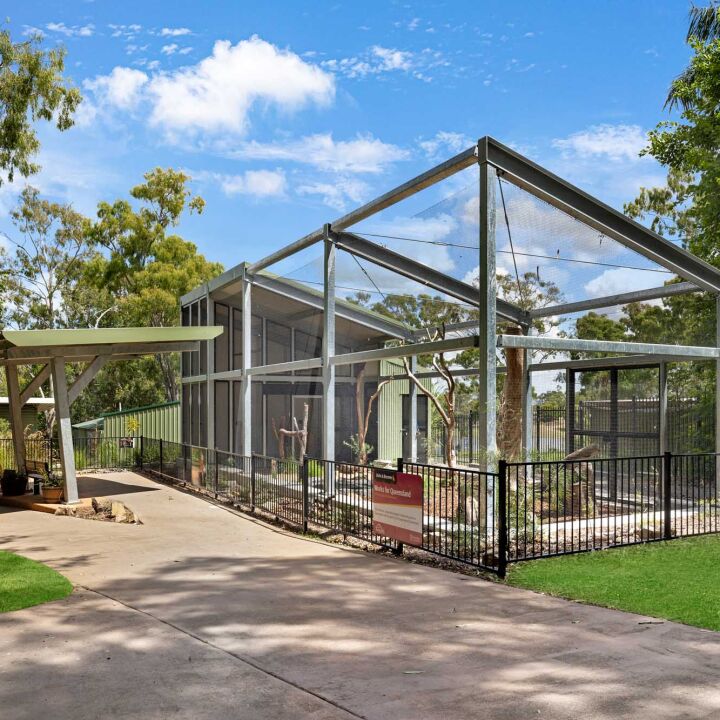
(217, 94)
(121, 88)
(364, 154)
(169, 49)
(259, 183)
(71, 31)
(375, 60)
(445, 143)
(338, 193)
(174, 32)
(621, 280)
(615, 142)
(392, 59)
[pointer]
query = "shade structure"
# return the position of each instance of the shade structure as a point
(53, 349)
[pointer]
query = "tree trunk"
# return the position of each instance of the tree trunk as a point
(510, 441)
(450, 454)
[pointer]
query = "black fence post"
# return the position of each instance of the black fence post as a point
(217, 469)
(667, 498)
(142, 452)
(161, 456)
(502, 518)
(305, 493)
(252, 483)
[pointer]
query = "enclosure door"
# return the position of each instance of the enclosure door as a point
(422, 427)
(314, 439)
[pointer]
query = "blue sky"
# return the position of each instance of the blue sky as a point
(301, 111)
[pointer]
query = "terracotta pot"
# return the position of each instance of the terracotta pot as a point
(51, 494)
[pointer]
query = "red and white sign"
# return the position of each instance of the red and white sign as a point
(398, 506)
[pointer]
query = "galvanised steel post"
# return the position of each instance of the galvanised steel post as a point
(246, 409)
(502, 518)
(328, 352)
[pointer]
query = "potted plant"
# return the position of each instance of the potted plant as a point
(13, 483)
(52, 487)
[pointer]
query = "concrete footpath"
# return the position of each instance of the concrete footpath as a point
(199, 613)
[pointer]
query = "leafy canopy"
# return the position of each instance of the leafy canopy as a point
(31, 88)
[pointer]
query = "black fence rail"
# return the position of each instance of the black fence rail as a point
(279, 487)
(339, 497)
(459, 513)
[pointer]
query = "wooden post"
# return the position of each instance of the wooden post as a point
(18, 433)
(64, 426)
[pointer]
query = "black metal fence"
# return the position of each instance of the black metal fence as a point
(523, 511)
(561, 507)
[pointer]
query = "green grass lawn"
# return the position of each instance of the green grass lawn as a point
(676, 580)
(25, 582)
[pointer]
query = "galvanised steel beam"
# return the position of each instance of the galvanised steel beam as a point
(603, 346)
(487, 326)
(299, 379)
(629, 361)
(450, 327)
(457, 373)
(681, 288)
(399, 351)
(461, 161)
(285, 367)
(575, 202)
(345, 311)
(403, 265)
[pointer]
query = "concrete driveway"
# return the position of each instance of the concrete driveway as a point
(199, 613)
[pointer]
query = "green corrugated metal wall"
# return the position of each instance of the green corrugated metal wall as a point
(390, 411)
(161, 422)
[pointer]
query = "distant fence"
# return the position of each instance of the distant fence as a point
(635, 431)
(110, 453)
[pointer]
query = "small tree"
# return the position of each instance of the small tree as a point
(358, 443)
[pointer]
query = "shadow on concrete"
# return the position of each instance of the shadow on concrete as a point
(90, 486)
(381, 637)
(389, 640)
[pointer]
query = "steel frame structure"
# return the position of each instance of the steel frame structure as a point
(493, 160)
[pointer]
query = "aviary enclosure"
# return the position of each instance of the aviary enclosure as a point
(429, 326)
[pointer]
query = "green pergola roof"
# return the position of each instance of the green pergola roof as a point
(107, 336)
